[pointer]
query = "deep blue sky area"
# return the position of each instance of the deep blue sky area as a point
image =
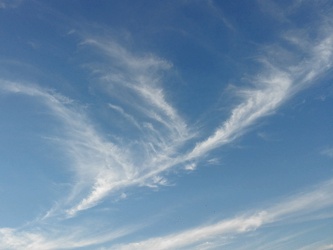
(166, 125)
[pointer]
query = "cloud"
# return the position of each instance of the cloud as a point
(104, 165)
(217, 12)
(292, 208)
(327, 247)
(97, 163)
(10, 4)
(317, 246)
(191, 166)
(135, 81)
(275, 84)
(163, 140)
(198, 235)
(278, 81)
(258, 103)
(100, 165)
(128, 117)
(328, 152)
(273, 10)
(52, 238)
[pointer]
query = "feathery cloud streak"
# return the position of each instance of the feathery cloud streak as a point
(91, 155)
(107, 160)
(139, 75)
(211, 236)
(162, 134)
(6, 4)
(102, 166)
(55, 238)
(275, 85)
(328, 152)
(293, 208)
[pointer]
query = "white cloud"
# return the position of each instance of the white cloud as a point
(258, 103)
(126, 115)
(213, 161)
(97, 162)
(273, 10)
(278, 82)
(328, 152)
(136, 80)
(56, 238)
(166, 132)
(327, 247)
(198, 235)
(317, 246)
(293, 208)
(10, 4)
(217, 12)
(210, 236)
(103, 166)
(100, 165)
(191, 166)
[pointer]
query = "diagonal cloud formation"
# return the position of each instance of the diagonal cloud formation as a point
(135, 82)
(54, 238)
(161, 142)
(212, 236)
(90, 154)
(278, 81)
(275, 85)
(103, 166)
(296, 208)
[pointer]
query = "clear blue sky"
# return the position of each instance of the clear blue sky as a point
(166, 124)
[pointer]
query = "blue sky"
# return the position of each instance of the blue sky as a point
(166, 124)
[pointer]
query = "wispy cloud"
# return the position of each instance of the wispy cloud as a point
(102, 166)
(273, 10)
(293, 208)
(317, 246)
(278, 81)
(199, 235)
(52, 238)
(135, 81)
(258, 103)
(328, 152)
(220, 15)
(10, 4)
(127, 116)
(327, 247)
(163, 139)
(106, 162)
(98, 164)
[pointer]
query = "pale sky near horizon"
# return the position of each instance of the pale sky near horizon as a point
(181, 124)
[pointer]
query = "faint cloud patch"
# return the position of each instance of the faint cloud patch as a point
(10, 4)
(273, 10)
(328, 152)
(328, 247)
(218, 13)
(267, 136)
(192, 166)
(214, 161)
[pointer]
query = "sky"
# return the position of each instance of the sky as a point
(181, 124)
